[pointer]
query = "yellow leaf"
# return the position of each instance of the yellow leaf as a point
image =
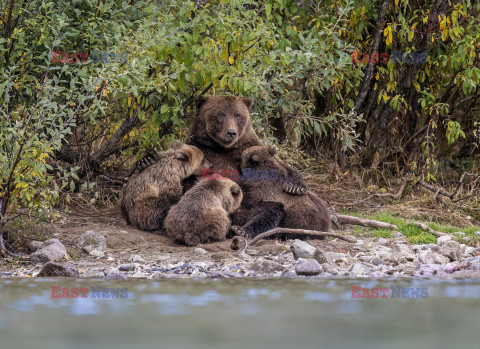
(294, 28)
(396, 2)
(231, 60)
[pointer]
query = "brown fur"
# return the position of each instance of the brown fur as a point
(217, 115)
(148, 196)
(301, 212)
(202, 215)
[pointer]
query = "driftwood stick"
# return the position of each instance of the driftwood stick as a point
(313, 233)
(426, 228)
(440, 191)
(365, 222)
(397, 195)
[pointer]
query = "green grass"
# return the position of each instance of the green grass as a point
(414, 234)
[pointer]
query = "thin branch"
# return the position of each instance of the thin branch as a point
(343, 219)
(313, 233)
(426, 228)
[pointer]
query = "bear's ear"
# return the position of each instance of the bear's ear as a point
(255, 159)
(200, 100)
(248, 102)
(182, 155)
(272, 151)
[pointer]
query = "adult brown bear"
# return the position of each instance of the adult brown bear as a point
(222, 130)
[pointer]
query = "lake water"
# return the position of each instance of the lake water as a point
(239, 313)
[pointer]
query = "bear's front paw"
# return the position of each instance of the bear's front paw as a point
(147, 161)
(235, 230)
(294, 188)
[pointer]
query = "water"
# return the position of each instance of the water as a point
(239, 313)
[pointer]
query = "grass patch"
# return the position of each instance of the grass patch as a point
(414, 234)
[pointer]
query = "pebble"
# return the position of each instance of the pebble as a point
(55, 269)
(266, 266)
(442, 239)
(302, 249)
(308, 267)
(360, 269)
(51, 250)
(116, 276)
(452, 250)
(200, 250)
(90, 241)
(96, 253)
(321, 257)
(137, 258)
(128, 267)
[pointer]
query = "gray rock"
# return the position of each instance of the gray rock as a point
(200, 250)
(289, 274)
(336, 257)
(95, 274)
(328, 268)
(116, 276)
(427, 270)
(308, 268)
(469, 251)
(128, 267)
(383, 241)
(443, 239)
(321, 257)
(91, 241)
(51, 269)
(451, 267)
(466, 274)
(377, 261)
(266, 266)
(51, 250)
(452, 250)
(387, 257)
(477, 233)
(403, 253)
(35, 245)
(398, 235)
(96, 253)
(302, 249)
(429, 257)
(360, 269)
(137, 258)
(418, 248)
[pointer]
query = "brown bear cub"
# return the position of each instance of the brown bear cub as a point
(148, 196)
(263, 187)
(202, 214)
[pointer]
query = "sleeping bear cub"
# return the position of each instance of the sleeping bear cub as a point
(202, 214)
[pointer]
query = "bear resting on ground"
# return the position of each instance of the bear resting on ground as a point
(264, 188)
(202, 214)
(148, 196)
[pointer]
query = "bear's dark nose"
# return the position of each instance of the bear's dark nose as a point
(231, 134)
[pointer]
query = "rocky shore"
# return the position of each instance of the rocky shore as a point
(330, 258)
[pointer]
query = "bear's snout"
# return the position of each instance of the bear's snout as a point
(231, 134)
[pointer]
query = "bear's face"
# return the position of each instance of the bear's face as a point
(260, 158)
(229, 192)
(191, 159)
(226, 117)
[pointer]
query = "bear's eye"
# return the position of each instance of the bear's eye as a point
(221, 116)
(235, 191)
(238, 117)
